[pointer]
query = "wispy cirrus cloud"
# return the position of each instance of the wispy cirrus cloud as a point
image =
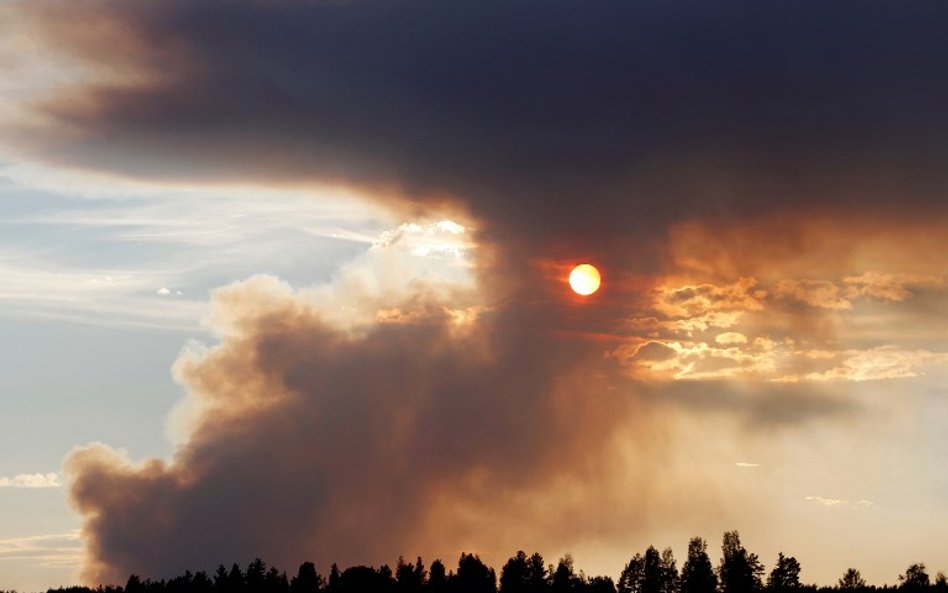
(135, 261)
(54, 550)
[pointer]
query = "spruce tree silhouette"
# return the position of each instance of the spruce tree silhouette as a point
(538, 574)
(668, 576)
(649, 573)
(437, 578)
(739, 571)
(564, 578)
(630, 581)
(515, 574)
(473, 576)
(201, 583)
(134, 584)
(235, 580)
(180, 584)
(255, 576)
(410, 578)
(697, 574)
(307, 579)
(220, 579)
(851, 581)
(275, 581)
(785, 576)
(334, 576)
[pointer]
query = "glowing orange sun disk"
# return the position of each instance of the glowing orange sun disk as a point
(585, 279)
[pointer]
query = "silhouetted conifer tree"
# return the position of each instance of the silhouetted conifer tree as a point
(473, 576)
(697, 574)
(785, 576)
(668, 572)
(515, 574)
(235, 580)
(334, 576)
(739, 571)
(307, 580)
(275, 581)
(437, 578)
(201, 583)
(410, 578)
(630, 581)
(134, 584)
(255, 576)
(538, 574)
(564, 578)
(851, 581)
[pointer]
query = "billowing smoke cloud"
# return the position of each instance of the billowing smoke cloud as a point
(313, 441)
(599, 130)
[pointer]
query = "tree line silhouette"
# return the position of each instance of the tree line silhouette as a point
(738, 571)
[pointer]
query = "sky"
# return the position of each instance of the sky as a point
(288, 279)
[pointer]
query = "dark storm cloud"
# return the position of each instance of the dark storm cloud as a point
(603, 116)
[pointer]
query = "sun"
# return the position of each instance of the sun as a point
(585, 279)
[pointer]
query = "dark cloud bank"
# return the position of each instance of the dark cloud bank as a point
(641, 112)
(565, 129)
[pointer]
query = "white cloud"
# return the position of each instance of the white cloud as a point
(839, 503)
(42, 288)
(440, 239)
(746, 464)
(38, 480)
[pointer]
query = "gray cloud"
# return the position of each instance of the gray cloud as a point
(641, 113)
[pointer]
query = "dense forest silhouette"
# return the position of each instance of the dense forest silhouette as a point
(738, 571)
